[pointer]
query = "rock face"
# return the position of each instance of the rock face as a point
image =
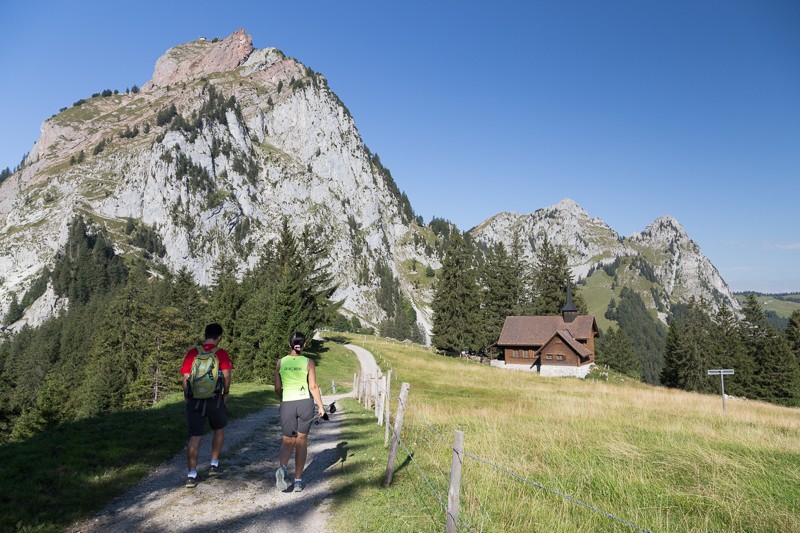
(222, 144)
(201, 58)
(256, 137)
(679, 269)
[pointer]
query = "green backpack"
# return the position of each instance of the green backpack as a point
(205, 379)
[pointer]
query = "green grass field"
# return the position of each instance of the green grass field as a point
(663, 460)
(782, 308)
(660, 459)
(71, 471)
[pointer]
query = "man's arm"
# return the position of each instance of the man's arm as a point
(226, 385)
(186, 387)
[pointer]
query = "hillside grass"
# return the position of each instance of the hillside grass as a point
(73, 470)
(781, 308)
(597, 293)
(663, 460)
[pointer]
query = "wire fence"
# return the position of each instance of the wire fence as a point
(423, 437)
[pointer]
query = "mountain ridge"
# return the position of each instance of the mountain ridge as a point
(226, 140)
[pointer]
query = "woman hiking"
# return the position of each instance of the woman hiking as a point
(296, 385)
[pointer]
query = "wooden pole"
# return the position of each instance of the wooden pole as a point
(398, 425)
(376, 394)
(455, 482)
(381, 405)
(333, 386)
(388, 407)
(355, 384)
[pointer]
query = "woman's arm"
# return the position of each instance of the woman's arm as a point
(278, 384)
(314, 388)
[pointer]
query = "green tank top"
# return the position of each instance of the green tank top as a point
(294, 378)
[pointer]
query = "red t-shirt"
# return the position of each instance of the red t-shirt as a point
(222, 355)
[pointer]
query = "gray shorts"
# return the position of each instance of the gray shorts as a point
(297, 416)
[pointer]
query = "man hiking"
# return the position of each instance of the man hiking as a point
(206, 373)
(297, 389)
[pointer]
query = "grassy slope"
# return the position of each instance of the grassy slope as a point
(662, 459)
(73, 470)
(768, 303)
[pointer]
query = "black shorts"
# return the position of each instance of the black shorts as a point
(297, 416)
(196, 419)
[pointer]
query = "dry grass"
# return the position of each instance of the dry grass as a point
(662, 459)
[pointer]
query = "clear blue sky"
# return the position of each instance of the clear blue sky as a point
(633, 109)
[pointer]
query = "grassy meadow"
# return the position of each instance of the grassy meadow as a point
(782, 308)
(660, 459)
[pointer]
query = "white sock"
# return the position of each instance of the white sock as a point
(192, 473)
(298, 480)
(214, 462)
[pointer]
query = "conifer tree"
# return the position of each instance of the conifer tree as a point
(777, 376)
(730, 353)
(500, 293)
(550, 277)
(455, 303)
(646, 335)
(793, 333)
(121, 345)
(225, 300)
(15, 311)
(157, 369)
(615, 350)
(672, 355)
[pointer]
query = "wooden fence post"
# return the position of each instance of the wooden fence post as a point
(377, 394)
(398, 425)
(355, 384)
(388, 406)
(455, 482)
(333, 386)
(381, 405)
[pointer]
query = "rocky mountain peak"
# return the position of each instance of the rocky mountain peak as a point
(571, 206)
(663, 230)
(200, 58)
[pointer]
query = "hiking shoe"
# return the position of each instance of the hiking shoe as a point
(280, 478)
(191, 482)
(299, 486)
(214, 471)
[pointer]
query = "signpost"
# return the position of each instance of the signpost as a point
(722, 372)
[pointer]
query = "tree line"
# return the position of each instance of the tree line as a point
(478, 288)
(121, 341)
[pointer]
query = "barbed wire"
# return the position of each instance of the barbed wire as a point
(430, 427)
(441, 502)
(565, 496)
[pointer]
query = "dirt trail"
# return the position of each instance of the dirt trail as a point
(244, 497)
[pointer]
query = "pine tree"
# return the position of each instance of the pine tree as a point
(793, 334)
(455, 303)
(157, 370)
(673, 356)
(120, 348)
(731, 353)
(15, 311)
(550, 277)
(777, 377)
(500, 294)
(646, 335)
(225, 300)
(615, 350)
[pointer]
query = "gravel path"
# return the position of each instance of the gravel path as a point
(244, 497)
